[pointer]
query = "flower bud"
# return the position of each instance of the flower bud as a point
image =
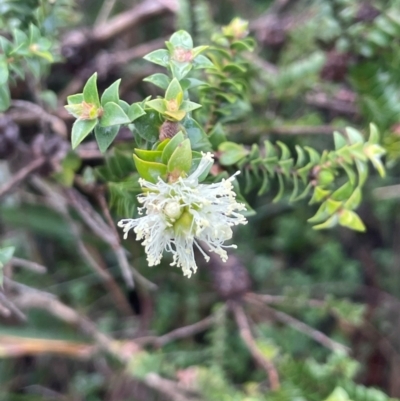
(183, 227)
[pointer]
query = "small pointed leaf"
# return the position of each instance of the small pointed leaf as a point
(181, 159)
(150, 171)
(90, 94)
(351, 220)
(160, 57)
(111, 94)
(105, 136)
(160, 80)
(80, 130)
(174, 90)
(181, 39)
(113, 115)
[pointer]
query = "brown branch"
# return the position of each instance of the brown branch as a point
(181, 332)
(21, 175)
(10, 306)
(59, 203)
(167, 387)
(325, 101)
(56, 123)
(298, 325)
(282, 299)
(27, 264)
(35, 300)
(259, 357)
(103, 231)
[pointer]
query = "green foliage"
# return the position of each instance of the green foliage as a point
(215, 95)
(5, 256)
(105, 116)
(313, 172)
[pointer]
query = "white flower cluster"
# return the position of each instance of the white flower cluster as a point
(179, 214)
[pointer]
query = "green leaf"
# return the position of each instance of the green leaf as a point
(105, 136)
(181, 39)
(217, 135)
(362, 172)
(171, 146)
(344, 192)
(111, 94)
(113, 115)
(161, 145)
(150, 171)
(319, 195)
(75, 99)
(5, 256)
(149, 155)
(321, 215)
(313, 155)
(351, 220)
(80, 130)
(199, 49)
(231, 153)
(135, 111)
(340, 140)
(374, 134)
(189, 106)
(181, 158)
(338, 394)
(198, 138)
(281, 189)
(189, 83)
(90, 94)
(3, 71)
(160, 57)
(354, 200)
(4, 98)
(177, 115)
(354, 135)
(174, 90)
(180, 70)
(202, 62)
(34, 33)
(160, 80)
(331, 222)
(148, 125)
(157, 104)
(301, 157)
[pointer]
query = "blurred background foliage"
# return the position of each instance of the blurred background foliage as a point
(322, 306)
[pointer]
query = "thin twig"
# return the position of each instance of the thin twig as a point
(260, 358)
(27, 264)
(57, 124)
(12, 307)
(94, 221)
(21, 175)
(70, 316)
(325, 101)
(282, 299)
(298, 325)
(167, 387)
(181, 332)
(59, 203)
